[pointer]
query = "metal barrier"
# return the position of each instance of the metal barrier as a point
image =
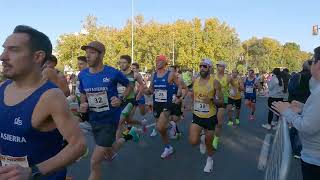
(280, 156)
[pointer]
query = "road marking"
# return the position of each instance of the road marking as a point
(263, 158)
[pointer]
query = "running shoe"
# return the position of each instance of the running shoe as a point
(237, 121)
(134, 134)
(215, 142)
(209, 166)
(251, 117)
(267, 126)
(230, 123)
(167, 152)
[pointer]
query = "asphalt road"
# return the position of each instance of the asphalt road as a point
(236, 158)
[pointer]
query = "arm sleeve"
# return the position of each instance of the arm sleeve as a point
(308, 122)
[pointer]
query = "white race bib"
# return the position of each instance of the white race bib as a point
(98, 102)
(9, 160)
(233, 92)
(249, 89)
(201, 107)
(160, 95)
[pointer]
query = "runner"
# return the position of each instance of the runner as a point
(162, 100)
(33, 113)
(55, 76)
(99, 97)
(250, 87)
(223, 79)
(205, 91)
(139, 91)
(234, 100)
(130, 105)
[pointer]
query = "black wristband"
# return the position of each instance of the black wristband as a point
(35, 173)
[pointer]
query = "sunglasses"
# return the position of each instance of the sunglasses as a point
(203, 66)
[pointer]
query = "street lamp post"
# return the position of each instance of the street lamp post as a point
(132, 22)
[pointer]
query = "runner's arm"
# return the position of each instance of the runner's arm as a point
(123, 80)
(63, 84)
(141, 83)
(68, 127)
(149, 90)
(218, 95)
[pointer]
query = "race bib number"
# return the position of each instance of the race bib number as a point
(249, 89)
(121, 90)
(233, 92)
(160, 95)
(98, 102)
(10, 160)
(201, 107)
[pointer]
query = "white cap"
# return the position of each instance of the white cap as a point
(222, 63)
(207, 62)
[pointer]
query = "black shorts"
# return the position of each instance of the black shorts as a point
(235, 102)
(104, 134)
(173, 109)
(205, 123)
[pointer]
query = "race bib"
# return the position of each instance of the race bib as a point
(98, 102)
(160, 95)
(233, 92)
(121, 90)
(249, 89)
(201, 107)
(10, 160)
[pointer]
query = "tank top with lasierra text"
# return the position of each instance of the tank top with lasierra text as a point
(18, 137)
(162, 91)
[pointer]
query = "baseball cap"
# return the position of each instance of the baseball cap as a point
(207, 62)
(221, 63)
(95, 45)
(162, 58)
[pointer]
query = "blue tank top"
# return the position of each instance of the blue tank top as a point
(249, 87)
(99, 88)
(162, 89)
(19, 138)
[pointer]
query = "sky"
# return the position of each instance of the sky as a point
(284, 20)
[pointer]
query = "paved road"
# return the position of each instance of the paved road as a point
(236, 158)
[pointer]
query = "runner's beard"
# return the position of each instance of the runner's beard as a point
(204, 74)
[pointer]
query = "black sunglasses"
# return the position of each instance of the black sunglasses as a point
(204, 66)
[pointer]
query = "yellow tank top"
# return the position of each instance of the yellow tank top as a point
(235, 92)
(224, 85)
(203, 99)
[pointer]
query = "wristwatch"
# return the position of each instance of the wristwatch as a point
(35, 173)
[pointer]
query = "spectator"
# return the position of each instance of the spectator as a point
(305, 118)
(299, 91)
(276, 87)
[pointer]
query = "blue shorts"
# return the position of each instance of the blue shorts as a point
(251, 97)
(141, 101)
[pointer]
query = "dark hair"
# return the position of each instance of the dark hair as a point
(317, 54)
(277, 72)
(286, 70)
(38, 40)
(127, 58)
(136, 64)
(53, 59)
(82, 58)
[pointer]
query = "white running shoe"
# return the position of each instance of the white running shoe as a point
(154, 133)
(267, 126)
(167, 152)
(202, 145)
(209, 166)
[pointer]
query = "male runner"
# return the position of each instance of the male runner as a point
(250, 86)
(205, 92)
(129, 107)
(99, 97)
(162, 100)
(234, 100)
(34, 114)
(223, 80)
